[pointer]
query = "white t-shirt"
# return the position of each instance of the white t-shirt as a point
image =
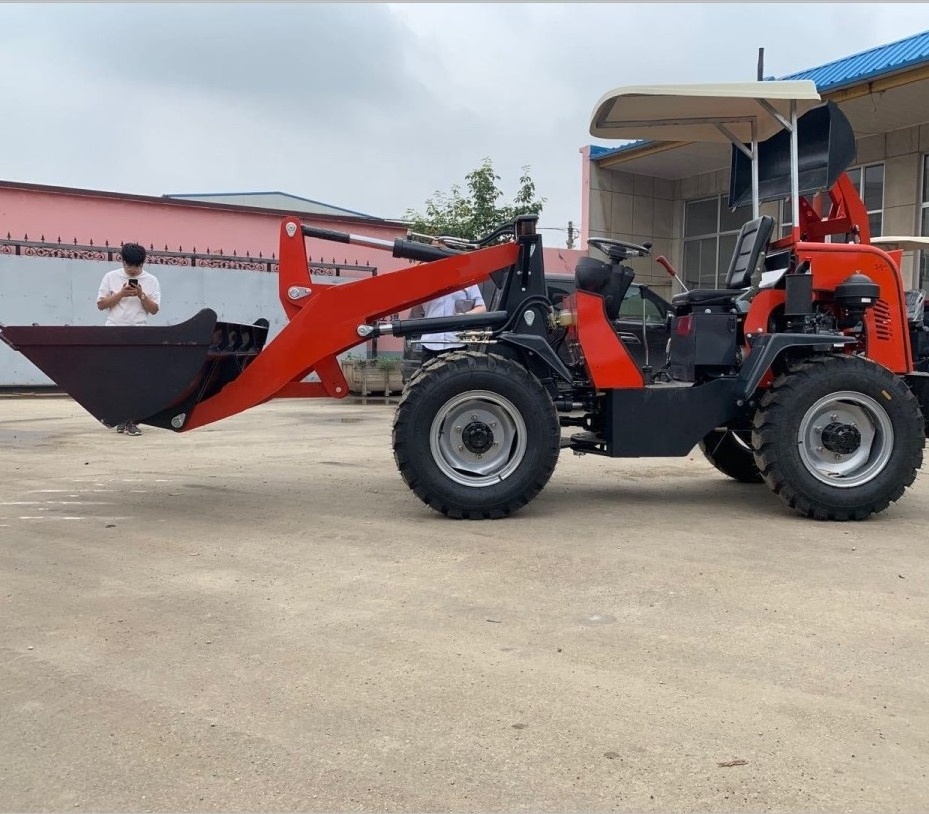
(459, 302)
(129, 310)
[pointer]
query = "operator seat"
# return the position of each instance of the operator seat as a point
(748, 254)
(609, 281)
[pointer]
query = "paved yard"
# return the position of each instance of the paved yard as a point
(259, 615)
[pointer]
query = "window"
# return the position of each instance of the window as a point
(869, 181)
(635, 307)
(710, 233)
(557, 295)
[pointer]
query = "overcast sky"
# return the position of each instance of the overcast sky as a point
(372, 107)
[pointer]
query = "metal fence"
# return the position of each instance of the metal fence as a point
(166, 257)
(51, 282)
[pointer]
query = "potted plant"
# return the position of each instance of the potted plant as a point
(365, 375)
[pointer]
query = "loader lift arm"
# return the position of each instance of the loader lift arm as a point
(324, 321)
(220, 377)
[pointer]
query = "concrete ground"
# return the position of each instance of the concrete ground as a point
(260, 616)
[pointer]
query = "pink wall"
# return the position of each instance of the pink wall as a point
(181, 225)
(560, 261)
(87, 215)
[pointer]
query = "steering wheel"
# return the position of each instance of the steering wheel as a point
(619, 249)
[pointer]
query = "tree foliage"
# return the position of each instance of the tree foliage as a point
(479, 212)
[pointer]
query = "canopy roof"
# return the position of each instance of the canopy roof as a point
(909, 243)
(693, 112)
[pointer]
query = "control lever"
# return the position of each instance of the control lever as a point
(646, 368)
(661, 260)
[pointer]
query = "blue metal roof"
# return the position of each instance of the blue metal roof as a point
(879, 61)
(597, 153)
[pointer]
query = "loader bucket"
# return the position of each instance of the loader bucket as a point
(826, 148)
(150, 374)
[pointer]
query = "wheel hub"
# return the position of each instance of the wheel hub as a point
(477, 437)
(843, 439)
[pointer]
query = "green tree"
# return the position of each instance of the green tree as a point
(479, 212)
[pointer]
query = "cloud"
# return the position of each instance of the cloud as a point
(338, 56)
(373, 107)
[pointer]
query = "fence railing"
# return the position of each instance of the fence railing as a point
(180, 258)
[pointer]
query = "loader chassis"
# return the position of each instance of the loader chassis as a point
(800, 374)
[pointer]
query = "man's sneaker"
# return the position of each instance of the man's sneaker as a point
(132, 429)
(120, 428)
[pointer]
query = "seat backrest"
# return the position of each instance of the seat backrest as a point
(752, 241)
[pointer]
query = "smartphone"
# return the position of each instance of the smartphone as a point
(133, 283)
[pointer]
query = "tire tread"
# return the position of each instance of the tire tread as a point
(768, 428)
(418, 388)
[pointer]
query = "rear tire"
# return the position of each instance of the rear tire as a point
(838, 438)
(476, 436)
(730, 451)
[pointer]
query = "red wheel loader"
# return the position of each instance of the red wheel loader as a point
(800, 373)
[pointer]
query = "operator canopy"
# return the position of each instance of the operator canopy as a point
(908, 243)
(785, 141)
(695, 112)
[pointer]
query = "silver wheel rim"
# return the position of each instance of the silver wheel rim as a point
(478, 438)
(853, 416)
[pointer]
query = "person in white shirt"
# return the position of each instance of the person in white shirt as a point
(129, 295)
(466, 301)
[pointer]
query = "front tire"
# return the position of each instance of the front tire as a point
(838, 438)
(476, 436)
